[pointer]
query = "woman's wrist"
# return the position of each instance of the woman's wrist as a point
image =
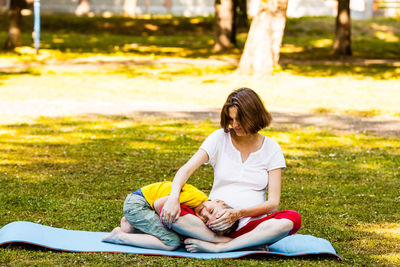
(173, 198)
(240, 214)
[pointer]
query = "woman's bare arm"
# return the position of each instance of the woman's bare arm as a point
(171, 210)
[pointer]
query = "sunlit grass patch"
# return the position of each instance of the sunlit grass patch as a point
(363, 113)
(383, 241)
(393, 258)
(389, 230)
(169, 71)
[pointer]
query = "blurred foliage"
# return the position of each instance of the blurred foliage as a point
(306, 49)
(305, 38)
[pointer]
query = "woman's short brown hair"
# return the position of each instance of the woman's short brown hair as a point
(252, 115)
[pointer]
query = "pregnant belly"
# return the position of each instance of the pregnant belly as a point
(238, 197)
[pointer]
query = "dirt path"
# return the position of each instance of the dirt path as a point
(27, 111)
(382, 126)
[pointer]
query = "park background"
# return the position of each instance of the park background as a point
(114, 102)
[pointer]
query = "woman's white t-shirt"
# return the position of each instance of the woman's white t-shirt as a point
(241, 184)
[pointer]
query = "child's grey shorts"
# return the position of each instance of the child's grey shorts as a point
(140, 215)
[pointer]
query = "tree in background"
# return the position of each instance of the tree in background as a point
(224, 20)
(342, 44)
(239, 19)
(261, 51)
(229, 15)
(14, 38)
(83, 8)
(168, 5)
(241, 13)
(235, 6)
(129, 9)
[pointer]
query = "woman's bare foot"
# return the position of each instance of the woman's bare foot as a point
(195, 245)
(113, 237)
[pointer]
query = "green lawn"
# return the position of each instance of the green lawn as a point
(74, 173)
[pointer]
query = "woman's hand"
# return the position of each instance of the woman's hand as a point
(170, 212)
(224, 219)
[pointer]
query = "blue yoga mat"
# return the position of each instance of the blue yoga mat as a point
(85, 241)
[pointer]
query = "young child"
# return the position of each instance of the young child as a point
(141, 225)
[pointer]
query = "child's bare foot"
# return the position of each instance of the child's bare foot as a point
(195, 245)
(126, 227)
(113, 236)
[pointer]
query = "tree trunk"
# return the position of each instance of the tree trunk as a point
(235, 5)
(223, 24)
(14, 24)
(261, 51)
(342, 45)
(83, 8)
(147, 4)
(130, 8)
(242, 18)
(168, 5)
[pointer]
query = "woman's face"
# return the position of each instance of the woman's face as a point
(234, 123)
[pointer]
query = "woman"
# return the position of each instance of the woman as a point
(245, 164)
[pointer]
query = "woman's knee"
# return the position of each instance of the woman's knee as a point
(295, 217)
(279, 226)
(286, 225)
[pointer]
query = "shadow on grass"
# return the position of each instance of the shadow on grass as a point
(307, 42)
(310, 38)
(64, 24)
(172, 36)
(330, 69)
(355, 121)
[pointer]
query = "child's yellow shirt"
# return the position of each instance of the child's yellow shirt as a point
(190, 196)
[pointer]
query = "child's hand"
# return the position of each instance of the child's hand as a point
(170, 212)
(224, 219)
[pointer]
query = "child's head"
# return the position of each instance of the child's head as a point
(208, 210)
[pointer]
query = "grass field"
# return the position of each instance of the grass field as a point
(74, 171)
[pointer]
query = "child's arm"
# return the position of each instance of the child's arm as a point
(159, 203)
